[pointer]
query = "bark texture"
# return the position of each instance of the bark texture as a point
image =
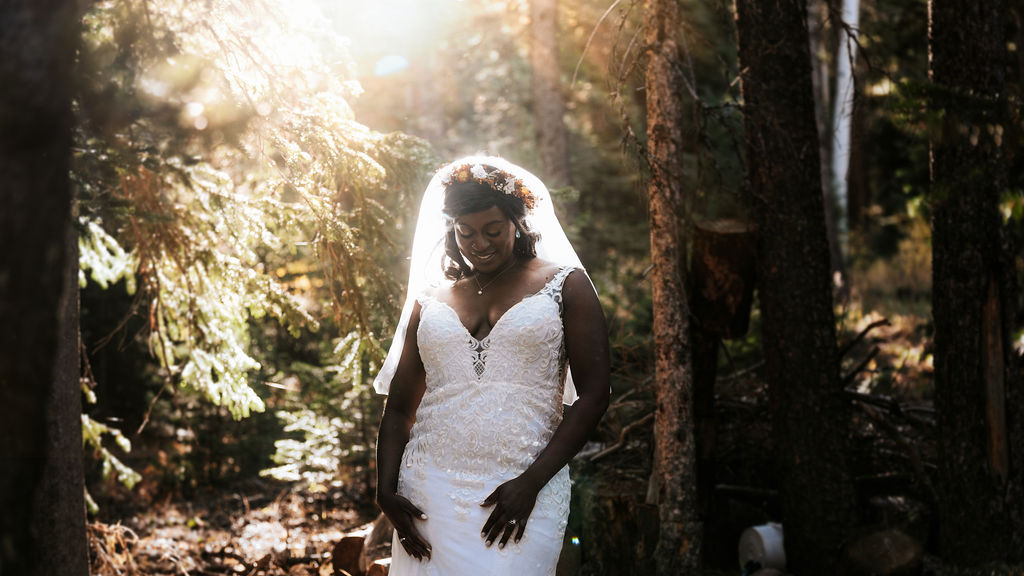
(548, 99)
(680, 531)
(801, 360)
(37, 40)
(59, 514)
(977, 386)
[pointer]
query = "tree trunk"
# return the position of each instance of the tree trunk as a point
(60, 501)
(858, 195)
(801, 360)
(977, 387)
(680, 531)
(37, 50)
(816, 16)
(842, 116)
(548, 100)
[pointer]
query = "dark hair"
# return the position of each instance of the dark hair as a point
(461, 198)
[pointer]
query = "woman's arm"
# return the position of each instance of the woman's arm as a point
(586, 340)
(406, 391)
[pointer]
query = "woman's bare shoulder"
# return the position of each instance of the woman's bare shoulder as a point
(545, 268)
(443, 292)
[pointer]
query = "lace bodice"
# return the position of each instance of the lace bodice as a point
(490, 405)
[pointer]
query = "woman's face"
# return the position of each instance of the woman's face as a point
(486, 239)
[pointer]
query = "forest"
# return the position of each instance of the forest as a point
(804, 220)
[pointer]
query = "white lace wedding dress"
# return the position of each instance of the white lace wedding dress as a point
(490, 406)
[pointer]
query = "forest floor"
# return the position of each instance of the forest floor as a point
(263, 527)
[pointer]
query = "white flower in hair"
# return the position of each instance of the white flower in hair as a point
(478, 172)
(510, 186)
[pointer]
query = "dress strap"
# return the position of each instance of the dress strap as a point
(554, 286)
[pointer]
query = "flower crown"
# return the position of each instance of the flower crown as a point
(496, 178)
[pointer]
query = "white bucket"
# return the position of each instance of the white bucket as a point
(763, 544)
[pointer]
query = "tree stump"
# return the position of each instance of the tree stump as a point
(346, 555)
(377, 545)
(618, 530)
(723, 271)
(884, 553)
(724, 266)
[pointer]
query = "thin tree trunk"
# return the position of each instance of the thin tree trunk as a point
(680, 531)
(37, 48)
(820, 83)
(548, 99)
(801, 360)
(858, 185)
(846, 55)
(977, 387)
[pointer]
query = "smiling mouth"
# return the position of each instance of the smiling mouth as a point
(484, 257)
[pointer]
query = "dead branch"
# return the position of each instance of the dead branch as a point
(747, 493)
(860, 367)
(741, 372)
(622, 436)
(846, 347)
(907, 412)
(621, 400)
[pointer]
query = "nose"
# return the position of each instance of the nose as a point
(480, 244)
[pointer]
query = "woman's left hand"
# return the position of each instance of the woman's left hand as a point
(513, 502)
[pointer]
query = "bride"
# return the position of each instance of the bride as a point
(473, 449)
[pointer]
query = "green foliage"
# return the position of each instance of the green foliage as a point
(107, 261)
(110, 465)
(216, 145)
(92, 437)
(314, 457)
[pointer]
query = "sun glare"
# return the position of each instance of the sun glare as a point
(387, 35)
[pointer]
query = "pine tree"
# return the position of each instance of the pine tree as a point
(799, 337)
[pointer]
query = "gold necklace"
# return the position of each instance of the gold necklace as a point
(480, 289)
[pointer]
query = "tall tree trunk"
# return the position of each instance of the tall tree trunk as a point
(857, 183)
(60, 502)
(977, 388)
(816, 16)
(37, 51)
(799, 337)
(680, 531)
(842, 116)
(548, 98)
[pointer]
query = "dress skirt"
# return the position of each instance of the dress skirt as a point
(453, 531)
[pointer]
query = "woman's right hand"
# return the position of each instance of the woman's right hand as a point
(403, 515)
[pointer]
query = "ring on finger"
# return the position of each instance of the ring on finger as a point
(512, 522)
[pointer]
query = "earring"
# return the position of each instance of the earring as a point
(517, 233)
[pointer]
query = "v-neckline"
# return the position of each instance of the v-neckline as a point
(480, 341)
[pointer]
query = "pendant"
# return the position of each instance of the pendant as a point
(478, 292)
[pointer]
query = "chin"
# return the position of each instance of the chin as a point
(491, 264)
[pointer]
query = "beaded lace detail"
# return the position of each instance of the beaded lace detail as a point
(491, 405)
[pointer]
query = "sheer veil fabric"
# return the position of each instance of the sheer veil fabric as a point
(428, 251)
